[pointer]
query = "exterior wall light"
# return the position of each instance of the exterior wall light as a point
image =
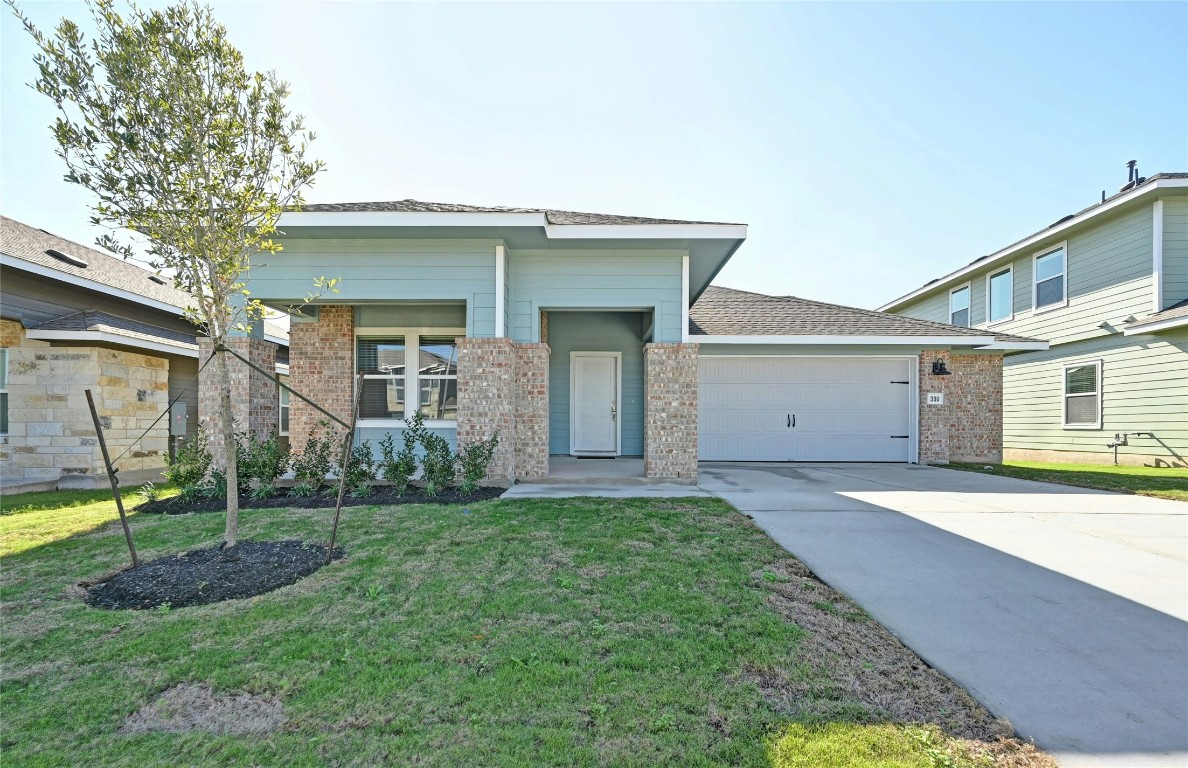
(939, 369)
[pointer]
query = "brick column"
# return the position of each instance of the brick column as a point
(487, 399)
(321, 360)
(670, 411)
(934, 419)
(968, 426)
(254, 402)
(532, 411)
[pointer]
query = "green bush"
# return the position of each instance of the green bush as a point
(312, 465)
(475, 459)
(261, 460)
(191, 462)
(398, 468)
(360, 467)
(437, 463)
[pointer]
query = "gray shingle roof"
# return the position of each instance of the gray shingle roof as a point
(1174, 312)
(30, 244)
(551, 216)
(104, 322)
(730, 312)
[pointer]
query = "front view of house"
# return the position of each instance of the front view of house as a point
(600, 336)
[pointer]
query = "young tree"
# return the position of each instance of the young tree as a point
(181, 145)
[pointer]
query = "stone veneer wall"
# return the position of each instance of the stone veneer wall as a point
(321, 367)
(255, 404)
(51, 434)
(670, 411)
(968, 427)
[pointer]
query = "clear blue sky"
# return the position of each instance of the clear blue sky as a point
(870, 147)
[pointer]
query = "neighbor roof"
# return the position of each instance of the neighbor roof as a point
(31, 244)
(1174, 316)
(104, 322)
(551, 216)
(730, 312)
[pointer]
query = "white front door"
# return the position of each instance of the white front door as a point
(594, 403)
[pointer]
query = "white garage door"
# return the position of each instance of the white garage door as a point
(805, 409)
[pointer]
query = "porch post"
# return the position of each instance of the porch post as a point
(670, 411)
(321, 355)
(487, 399)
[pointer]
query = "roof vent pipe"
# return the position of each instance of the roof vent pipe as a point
(1132, 178)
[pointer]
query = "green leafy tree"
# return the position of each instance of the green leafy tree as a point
(181, 145)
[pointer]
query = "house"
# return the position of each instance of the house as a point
(600, 336)
(1108, 288)
(73, 318)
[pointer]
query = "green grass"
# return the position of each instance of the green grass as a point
(576, 632)
(29, 520)
(1160, 482)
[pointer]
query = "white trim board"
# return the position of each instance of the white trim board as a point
(500, 287)
(179, 348)
(1157, 253)
(955, 341)
(1155, 326)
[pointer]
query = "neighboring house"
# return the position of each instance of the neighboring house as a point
(599, 336)
(73, 318)
(1108, 288)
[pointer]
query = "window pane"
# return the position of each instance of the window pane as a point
(382, 399)
(439, 398)
(4, 413)
(1049, 292)
(384, 356)
(960, 318)
(284, 391)
(439, 356)
(1081, 380)
(1049, 265)
(1000, 295)
(284, 419)
(3, 369)
(959, 300)
(1081, 410)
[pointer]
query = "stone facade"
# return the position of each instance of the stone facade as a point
(532, 411)
(321, 367)
(968, 426)
(255, 406)
(51, 435)
(670, 411)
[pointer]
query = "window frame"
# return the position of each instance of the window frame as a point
(282, 406)
(968, 304)
(4, 385)
(1035, 257)
(1064, 395)
(1010, 269)
(412, 381)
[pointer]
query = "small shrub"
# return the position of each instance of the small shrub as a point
(312, 465)
(361, 490)
(217, 487)
(260, 460)
(438, 462)
(149, 492)
(191, 493)
(399, 467)
(191, 462)
(430, 489)
(475, 459)
(360, 466)
(303, 488)
(263, 491)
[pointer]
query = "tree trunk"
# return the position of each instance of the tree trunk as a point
(231, 536)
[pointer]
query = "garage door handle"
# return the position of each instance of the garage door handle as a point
(789, 419)
(793, 422)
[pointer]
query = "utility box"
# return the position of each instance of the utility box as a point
(177, 419)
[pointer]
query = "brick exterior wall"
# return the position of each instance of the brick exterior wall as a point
(51, 435)
(532, 411)
(321, 367)
(255, 406)
(968, 427)
(670, 411)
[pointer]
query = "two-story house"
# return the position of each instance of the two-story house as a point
(599, 336)
(1108, 288)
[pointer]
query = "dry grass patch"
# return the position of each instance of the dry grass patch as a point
(196, 707)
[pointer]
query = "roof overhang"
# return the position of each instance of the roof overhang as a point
(32, 268)
(1154, 326)
(1038, 239)
(119, 339)
(976, 342)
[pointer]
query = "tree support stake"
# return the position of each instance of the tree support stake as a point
(111, 477)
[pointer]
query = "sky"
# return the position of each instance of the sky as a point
(870, 147)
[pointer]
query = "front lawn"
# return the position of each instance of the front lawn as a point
(576, 632)
(1160, 482)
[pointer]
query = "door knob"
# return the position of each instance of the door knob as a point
(614, 413)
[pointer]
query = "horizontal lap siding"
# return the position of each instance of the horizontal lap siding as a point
(595, 279)
(1175, 250)
(1144, 387)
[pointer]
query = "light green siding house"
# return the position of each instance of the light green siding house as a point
(1108, 288)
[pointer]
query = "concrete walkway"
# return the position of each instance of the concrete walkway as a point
(1061, 609)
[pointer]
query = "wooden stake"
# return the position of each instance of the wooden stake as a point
(111, 476)
(347, 446)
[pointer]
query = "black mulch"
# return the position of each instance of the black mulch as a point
(381, 495)
(211, 575)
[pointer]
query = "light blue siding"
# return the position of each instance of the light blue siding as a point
(410, 316)
(373, 435)
(1175, 250)
(590, 279)
(596, 332)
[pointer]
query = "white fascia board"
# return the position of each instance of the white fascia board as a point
(1157, 254)
(500, 287)
(282, 369)
(409, 219)
(172, 348)
(915, 341)
(993, 259)
(685, 298)
(646, 231)
(1018, 345)
(82, 282)
(1158, 325)
(276, 340)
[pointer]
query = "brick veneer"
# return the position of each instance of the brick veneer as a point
(968, 427)
(532, 411)
(255, 406)
(670, 411)
(321, 367)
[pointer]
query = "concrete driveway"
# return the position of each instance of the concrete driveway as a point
(1064, 610)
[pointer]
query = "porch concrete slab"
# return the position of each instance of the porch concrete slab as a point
(1064, 610)
(617, 491)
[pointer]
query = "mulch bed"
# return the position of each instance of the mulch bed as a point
(205, 576)
(381, 495)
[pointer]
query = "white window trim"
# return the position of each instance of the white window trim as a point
(1035, 257)
(4, 379)
(968, 307)
(1010, 315)
(412, 391)
(1064, 394)
(281, 406)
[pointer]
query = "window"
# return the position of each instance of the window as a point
(394, 390)
(381, 361)
(1082, 395)
(959, 306)
(437, 375)
(1049, 280)
(284, 405)
(3, 391)
(999, 296)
